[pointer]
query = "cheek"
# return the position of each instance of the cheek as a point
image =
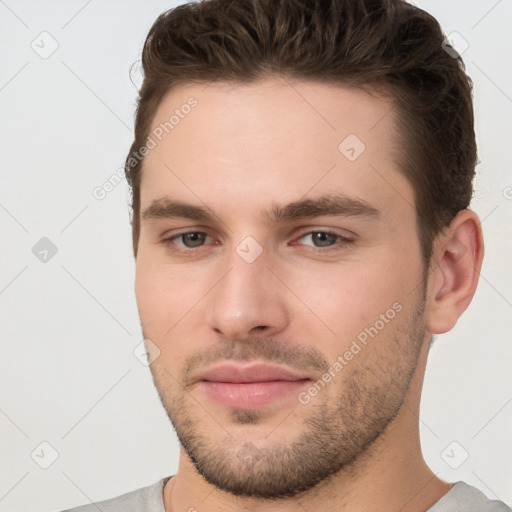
(165, 300)
(350, 298)
(164, 295)
(147, 290)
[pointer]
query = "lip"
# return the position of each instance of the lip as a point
(249, 373)
(249, 387)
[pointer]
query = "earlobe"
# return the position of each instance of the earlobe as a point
(455, 269)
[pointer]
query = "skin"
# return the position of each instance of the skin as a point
(242, 150)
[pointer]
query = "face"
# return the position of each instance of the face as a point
(279, 278)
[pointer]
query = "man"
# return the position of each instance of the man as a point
(301, 175)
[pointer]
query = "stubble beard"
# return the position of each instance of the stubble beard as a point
(334, 436)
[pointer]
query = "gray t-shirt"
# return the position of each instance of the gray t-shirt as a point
(461, 498)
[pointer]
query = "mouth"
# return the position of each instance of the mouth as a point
(250, 387)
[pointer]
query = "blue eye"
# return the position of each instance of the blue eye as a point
(323, 238)
(315, 239)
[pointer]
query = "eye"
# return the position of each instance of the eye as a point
(190, 239)
(323, 239)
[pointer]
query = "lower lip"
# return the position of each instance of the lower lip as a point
(249, 395)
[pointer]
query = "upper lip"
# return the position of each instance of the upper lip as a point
(250, 373)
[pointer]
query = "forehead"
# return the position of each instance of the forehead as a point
(274, 140)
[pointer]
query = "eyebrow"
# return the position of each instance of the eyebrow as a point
(167, 208)
(332, 205)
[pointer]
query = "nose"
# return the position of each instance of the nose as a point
(247, 300)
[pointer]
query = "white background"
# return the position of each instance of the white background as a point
(69, 326)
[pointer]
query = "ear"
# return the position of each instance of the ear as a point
(454, 271)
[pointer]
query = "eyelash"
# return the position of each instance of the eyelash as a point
(343, 241)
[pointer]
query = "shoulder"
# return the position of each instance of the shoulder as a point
(465, 498)
(146, 499)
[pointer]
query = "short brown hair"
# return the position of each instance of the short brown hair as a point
(388, 46)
